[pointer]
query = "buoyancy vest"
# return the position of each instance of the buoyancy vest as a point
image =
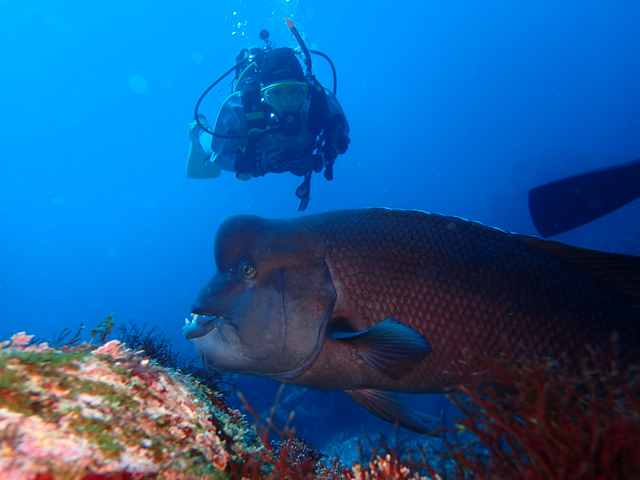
(261, 117)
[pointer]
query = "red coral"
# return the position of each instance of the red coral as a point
(291, 458)
(532, 419)
(559, 421)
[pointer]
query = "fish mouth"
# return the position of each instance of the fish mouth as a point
(200, 325)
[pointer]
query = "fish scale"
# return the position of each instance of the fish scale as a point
(464, 285)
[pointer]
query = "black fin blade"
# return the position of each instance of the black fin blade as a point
(571, 202)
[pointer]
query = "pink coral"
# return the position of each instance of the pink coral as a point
(113, 348)
(20, 339)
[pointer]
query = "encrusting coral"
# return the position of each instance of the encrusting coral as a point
(107, 412)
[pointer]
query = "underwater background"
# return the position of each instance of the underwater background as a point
(456, 107)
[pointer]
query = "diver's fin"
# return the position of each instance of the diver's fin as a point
(571, 202)
(617, 270)
(389, 346)
(392, 408)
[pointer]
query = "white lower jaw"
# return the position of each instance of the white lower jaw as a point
(199, 326)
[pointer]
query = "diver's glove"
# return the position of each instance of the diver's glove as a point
(302, 163)
(246, 163)
(259, 165)
(274, 162)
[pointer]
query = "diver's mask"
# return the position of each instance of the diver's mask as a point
(285, 95)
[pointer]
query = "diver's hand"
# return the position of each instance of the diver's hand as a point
(279, 161)
(274, 162)
(259, 165)
(302, 163)
(329, 154)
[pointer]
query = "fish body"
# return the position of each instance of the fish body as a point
(375, 301)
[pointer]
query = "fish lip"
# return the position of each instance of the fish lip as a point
(201, 325)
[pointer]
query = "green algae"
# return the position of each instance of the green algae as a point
(8, 378)
(53, 359)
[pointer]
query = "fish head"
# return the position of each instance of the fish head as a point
(260, 316)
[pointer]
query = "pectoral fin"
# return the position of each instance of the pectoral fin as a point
(392, 408)
(390, 347)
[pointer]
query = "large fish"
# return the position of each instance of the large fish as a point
(376, 301)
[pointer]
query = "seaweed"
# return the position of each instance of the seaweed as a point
(555, 420)
(63, 341)
(527, 418)
(291, 457)
(157, 346)
(531, 419)
(155, 343)
(102, 332)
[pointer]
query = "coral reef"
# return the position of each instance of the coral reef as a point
(102, 412)
(107, 412)
(98, 412)
(157, 346)
(387, 462)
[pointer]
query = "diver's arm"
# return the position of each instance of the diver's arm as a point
(338, 124)
(225, 159)
(337, 134)
(231, 121)
(250, 164)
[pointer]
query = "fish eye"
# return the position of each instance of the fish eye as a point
(247, 269)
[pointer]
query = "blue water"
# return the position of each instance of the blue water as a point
(455, 107)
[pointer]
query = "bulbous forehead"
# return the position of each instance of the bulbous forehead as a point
(248, 237)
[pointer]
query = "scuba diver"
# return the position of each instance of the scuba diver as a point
(278, 119)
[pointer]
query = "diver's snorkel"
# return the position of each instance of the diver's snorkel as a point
(304, 190)
(307, 55)
(303, 46)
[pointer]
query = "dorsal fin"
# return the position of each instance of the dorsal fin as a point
(619, 271)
